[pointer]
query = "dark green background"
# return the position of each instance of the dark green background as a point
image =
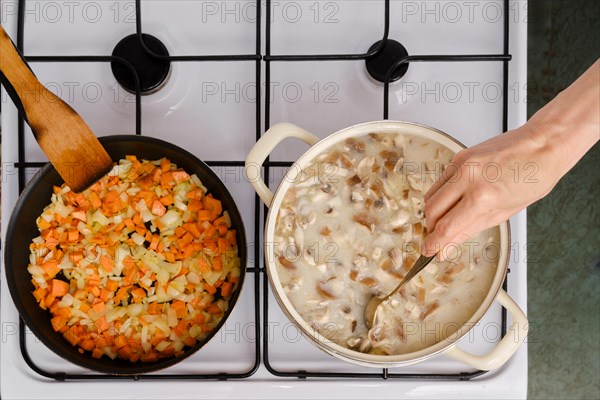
(564, 227)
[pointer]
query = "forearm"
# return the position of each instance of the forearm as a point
(569, 125)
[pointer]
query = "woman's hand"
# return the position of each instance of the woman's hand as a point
(485, 185)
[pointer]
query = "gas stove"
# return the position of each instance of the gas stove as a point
(220, 74)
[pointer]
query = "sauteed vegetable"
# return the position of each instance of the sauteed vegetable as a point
(139, 265)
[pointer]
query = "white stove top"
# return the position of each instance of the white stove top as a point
(209, 109)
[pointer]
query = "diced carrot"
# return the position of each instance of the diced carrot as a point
(167, 200)
(204, 266)
(59, 288)
(205, 215)
(99, 307)
(226, 289)
(165, 164)
(87, 344)
(194, 205)
(166, 180)
(154, 308)
(217, 263)
(210, 288)
(213, 205)
(180, 175)
(158, 208)
(94, 280)
(125, 352)
(39, 294)
(102, 324)
(223, 245)
(71, 336)
(149, 168)
(213, 308)
(58, 323)
(199, 318)
(43, 224)
(149, 357)
(85, 307)
(107, 263)
(137, 219)
(180, 308)
(120, 341)
(210, 231)
(80, 215)
(138, 294)
(112, 285)
(154, 242)
(51, 268)
(170, 257)
(97, 353)
(73, 235)
(192, 228)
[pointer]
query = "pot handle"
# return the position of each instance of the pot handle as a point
(505, 348)
(261, 150)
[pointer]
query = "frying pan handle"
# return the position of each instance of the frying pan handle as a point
(261, 150)
(505, 348)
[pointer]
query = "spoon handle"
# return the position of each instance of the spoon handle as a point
(62, 134)
(418, 266)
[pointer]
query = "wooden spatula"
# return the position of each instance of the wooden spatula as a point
(63, 135)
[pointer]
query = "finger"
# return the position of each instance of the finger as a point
(485, 221)
(466, 234)
(450, 226)
(443, 201)
(448, 173)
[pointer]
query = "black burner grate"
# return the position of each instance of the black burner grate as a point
(22, 165)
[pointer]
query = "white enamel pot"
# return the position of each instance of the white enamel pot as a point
(502, 351)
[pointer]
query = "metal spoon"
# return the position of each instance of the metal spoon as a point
(375, 301)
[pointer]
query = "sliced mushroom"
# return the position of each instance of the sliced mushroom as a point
(376, 253)
(399, 166)
(430, 309)
(366, 220)
(356, 197)
(360, 262)
(286, 263)
(369, 282)
(353, 180)
(356, 145)
(328, 188)
(364, 167)
(388, 266)
(325, 231)
(415, 184)
(417, 229)
(353, 342)
(309, 256)
(399, 142)
(399, 219)
(293, 285)
(323, 292)
(345, 161)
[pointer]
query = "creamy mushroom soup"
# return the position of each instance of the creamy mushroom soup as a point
(351, 226)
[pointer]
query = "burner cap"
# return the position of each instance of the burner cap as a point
(379, 65)
(152, 72)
